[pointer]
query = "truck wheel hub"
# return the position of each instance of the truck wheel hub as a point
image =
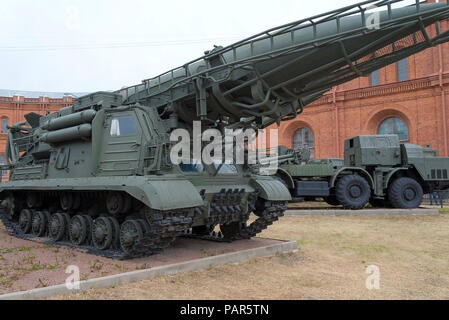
(100, 233)
(409, 194)
(355, 191)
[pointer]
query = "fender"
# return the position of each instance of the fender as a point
(284, 175)
(271, 189)
(166, 195)
(169, 193)
(391, 174)
(360, 171)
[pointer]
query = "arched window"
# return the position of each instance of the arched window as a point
(4, 125)
(394, 126)
(303, 138)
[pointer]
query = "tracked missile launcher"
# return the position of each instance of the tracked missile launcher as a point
(99, 174)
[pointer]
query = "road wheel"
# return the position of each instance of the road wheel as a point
(57, 226)
(131, 233)
(78, 230)
(353, 192)
(39, 224)
(405, 193)
(102, 233)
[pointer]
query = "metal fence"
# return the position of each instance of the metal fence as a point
(438, 198)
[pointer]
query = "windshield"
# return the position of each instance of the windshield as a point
(338, 163)
(195, 167)
(198, 167)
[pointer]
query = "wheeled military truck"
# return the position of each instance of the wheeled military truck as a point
(376, 169)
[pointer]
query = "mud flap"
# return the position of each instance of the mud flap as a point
(271, 189)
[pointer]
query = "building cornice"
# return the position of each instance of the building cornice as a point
(383, 90)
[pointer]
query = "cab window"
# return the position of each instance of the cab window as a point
(226, 168)
(123, 126)
(196, 167)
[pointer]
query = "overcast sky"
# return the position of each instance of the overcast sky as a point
(92, 45)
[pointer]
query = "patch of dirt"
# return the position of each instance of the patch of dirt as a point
(26, 265)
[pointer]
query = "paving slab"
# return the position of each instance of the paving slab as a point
(340, 212)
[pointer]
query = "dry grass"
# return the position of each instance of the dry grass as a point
(411, 252)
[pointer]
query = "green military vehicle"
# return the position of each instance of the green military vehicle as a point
(376, 169)
(100, 173)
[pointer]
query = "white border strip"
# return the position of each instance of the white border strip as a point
(119, 279)
(337, 213)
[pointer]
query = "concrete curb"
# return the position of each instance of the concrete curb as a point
(119, 279)
(338, 213)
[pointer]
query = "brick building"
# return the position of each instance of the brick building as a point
(15, 104)
(408, 98)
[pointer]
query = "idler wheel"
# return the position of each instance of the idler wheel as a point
(66, 200)
(25, 221)
(115, 203)
(57, 226)
(102, 233)
(33, 200)
(130, 234)
(78, 230)
(39, 224)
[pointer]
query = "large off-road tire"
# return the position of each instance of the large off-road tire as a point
(405, 193)
(353, 192)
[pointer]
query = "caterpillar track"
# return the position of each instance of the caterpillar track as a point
(149, 235)
(268, 213)
(142, 233)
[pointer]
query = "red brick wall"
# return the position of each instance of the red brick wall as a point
(15, 108)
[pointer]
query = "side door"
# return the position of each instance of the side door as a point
(121, 145)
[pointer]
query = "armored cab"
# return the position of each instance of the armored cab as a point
(375, 150)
